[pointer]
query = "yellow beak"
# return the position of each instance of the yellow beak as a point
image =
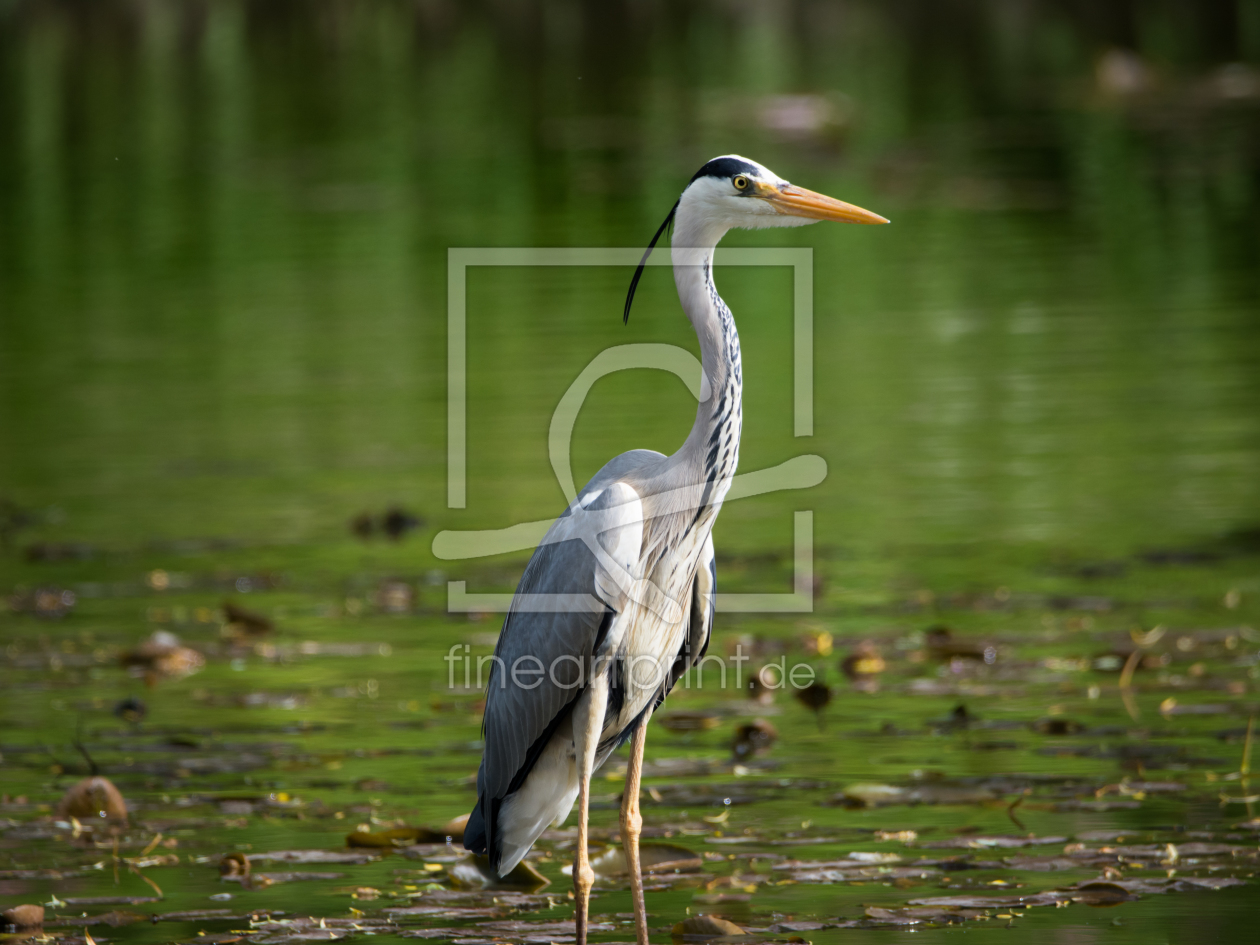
(799, 202)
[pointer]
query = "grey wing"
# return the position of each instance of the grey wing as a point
(564, 606)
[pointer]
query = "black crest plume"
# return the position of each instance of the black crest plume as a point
(638, 273)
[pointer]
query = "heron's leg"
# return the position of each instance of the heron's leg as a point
(632, 825)
(588, 723)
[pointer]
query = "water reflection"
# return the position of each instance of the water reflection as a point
(223, 230)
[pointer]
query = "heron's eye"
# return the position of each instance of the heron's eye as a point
(740, 182)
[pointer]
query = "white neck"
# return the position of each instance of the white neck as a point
(719, 415)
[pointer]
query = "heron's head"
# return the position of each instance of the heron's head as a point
(733, 191)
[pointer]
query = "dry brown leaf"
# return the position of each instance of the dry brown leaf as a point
(95, 798)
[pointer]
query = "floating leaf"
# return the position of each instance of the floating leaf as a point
(992, 902)
(1058, 726)
(863, 856)
(910, 915)
(190, 915)
(431, 933)
(234, 866)
(871, 795)
(884, 795)
(243, 622)
(541, 931)
(314, 856)
(114, 918)
(688, 721)
(391, 839)
(903, 836)
(755, 738)
(653, 858)
(109, 900)
(698, 927)
(1103, 894)
(295, 876)
(94, 798)
(25, 916)
(476, 872)
(991, 842)
(864, 661)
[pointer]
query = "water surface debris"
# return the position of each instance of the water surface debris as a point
(240, 621)
(701, 927)
(26, 916)
(682, 721)
(95, 798)
(475, 872)
(163, 655)
(816, 697)
(755, 738)
(397, 837)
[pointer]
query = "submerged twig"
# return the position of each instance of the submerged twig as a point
(58, 767)
(1245, 768)
(156, 888)
(93, 768)
(1126, 684)
(1244, 774)
(1010, 812)
(1150, 638)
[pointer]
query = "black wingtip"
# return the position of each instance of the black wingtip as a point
(638, 273)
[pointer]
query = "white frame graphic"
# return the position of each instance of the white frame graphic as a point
(797, 473)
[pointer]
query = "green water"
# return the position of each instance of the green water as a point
(223, 334)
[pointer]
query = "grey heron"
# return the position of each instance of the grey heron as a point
(616, 603)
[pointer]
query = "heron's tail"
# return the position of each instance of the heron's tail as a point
(545, 798)
(475, 831)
